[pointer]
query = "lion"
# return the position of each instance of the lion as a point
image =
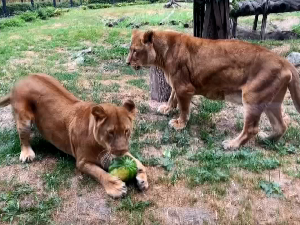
(92, 133)
(230, 70)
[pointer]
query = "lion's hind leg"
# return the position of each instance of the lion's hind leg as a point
(274, 114)
(251, 121)
(24, 118)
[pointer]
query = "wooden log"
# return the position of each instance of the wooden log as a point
(206, 19)
(217, 14)
(227, 10)
(255, 23)
(264, 20)
(234, 25)
(202, 15)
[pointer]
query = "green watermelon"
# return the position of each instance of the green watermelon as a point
(124, 168)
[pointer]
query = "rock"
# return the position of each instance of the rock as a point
(161, 23)
(136, 26)
(188, 216)
(79, 60)
(125, 46)
(186, 25)
(109, 24)
(122, 19)
(294, 58)
(173, 22)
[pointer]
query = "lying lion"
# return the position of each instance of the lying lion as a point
(91, 133)
(230, 70)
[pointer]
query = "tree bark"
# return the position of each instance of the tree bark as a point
(160, 89)
(4, 7)
(213, 17)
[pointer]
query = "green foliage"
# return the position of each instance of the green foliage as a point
(271, 189)
(59, 176)
(37, 212)
(296, 29)
(9, 145)
(140, 83)
(11, 22)
(143, 108)
(214, 166)
(128, 205)
(45, 13)
(29, 16)
(98, 6)
(14, 8)
(180, 138)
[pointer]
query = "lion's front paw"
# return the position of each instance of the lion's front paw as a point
(115, 188)
(142, 181)
(164, 109)
(177, 124)
(27, 155)
(230, 144)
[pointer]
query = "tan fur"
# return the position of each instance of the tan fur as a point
(222, 70)
(92, 133)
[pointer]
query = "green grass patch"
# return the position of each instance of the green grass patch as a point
(9, 146)
(128, 205)
(271, 189)
(214, 166)
(37, 210)
(140, 83)
(60, 175)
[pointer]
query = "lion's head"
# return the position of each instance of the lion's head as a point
(141, 51)
(112, 126)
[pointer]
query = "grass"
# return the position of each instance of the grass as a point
(186, 169)
(215, 166)
(140, 83)
(21, 204)
(59, 176)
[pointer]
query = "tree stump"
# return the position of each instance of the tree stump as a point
(159, 88)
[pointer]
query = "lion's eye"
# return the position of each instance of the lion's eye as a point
(111, 133)
(127, 132)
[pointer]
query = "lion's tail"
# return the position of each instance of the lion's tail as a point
(294, 88)
(5, 101)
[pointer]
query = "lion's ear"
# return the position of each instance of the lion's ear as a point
(130, 106)
(99, 112)
(148, 37)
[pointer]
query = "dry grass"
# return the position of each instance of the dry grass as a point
(171, 199)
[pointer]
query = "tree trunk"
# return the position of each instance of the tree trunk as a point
(213, 16)
(4, 7)
(160, 89)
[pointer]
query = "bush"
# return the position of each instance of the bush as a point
(108, 1)
(14, 8)
(19, 8)
(98, 6)
(12, 22)
(29, 16)
(45, 13)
